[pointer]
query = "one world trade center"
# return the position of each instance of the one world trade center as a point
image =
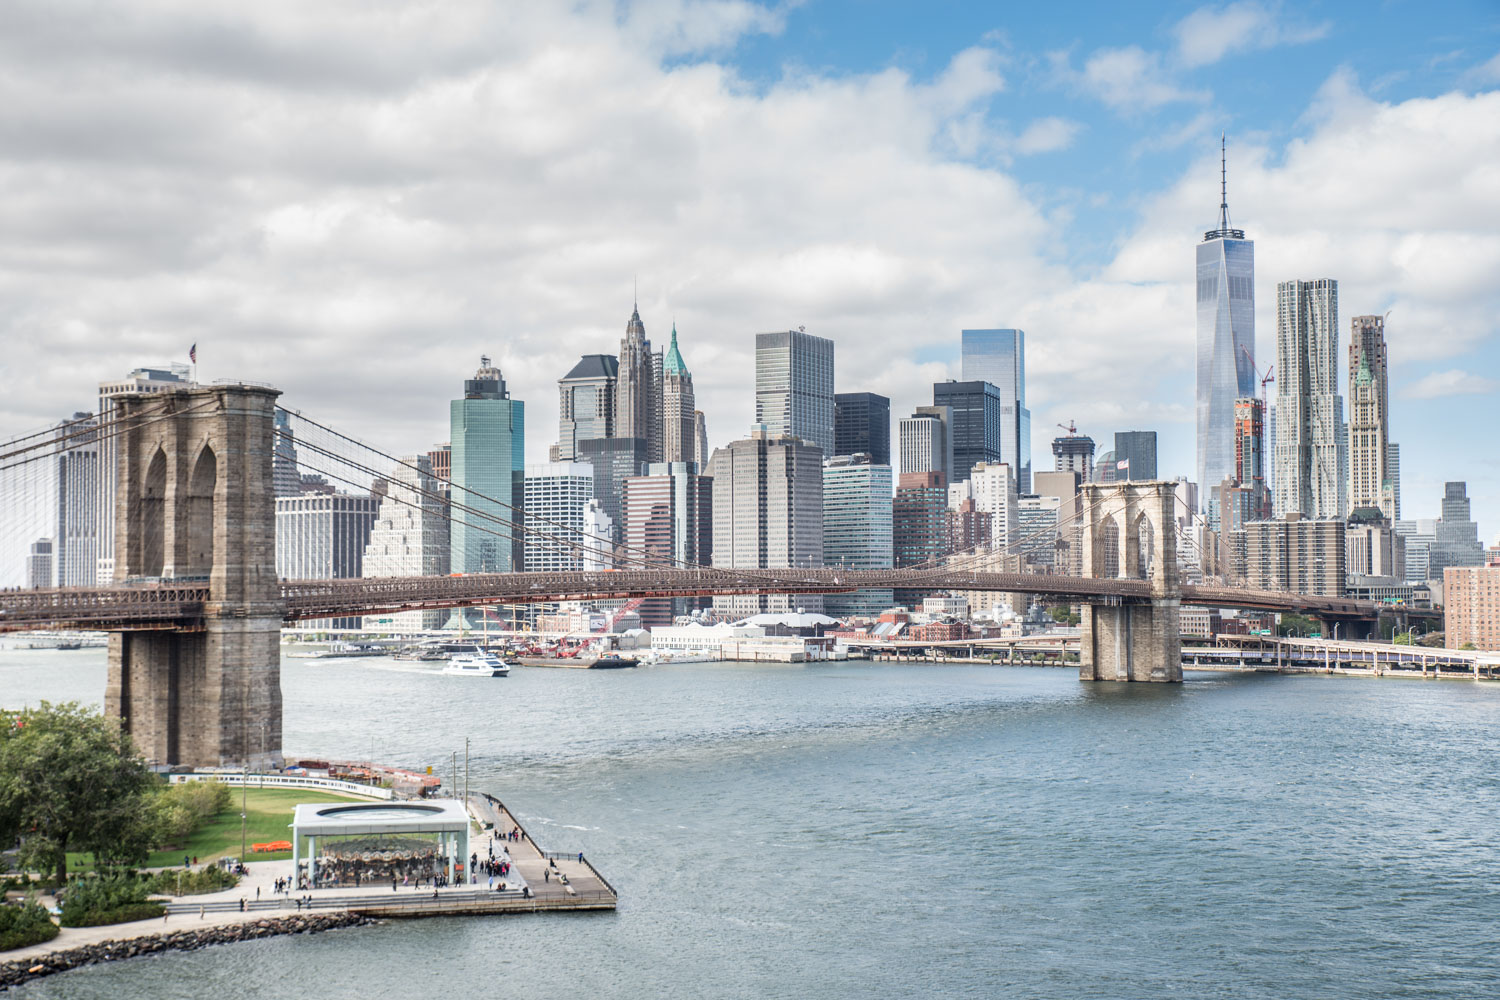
(1226, 345)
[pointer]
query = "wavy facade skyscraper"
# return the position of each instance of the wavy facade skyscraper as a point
(1226, 343)
(1312, 445)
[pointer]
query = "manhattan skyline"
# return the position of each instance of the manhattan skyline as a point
(360, 253)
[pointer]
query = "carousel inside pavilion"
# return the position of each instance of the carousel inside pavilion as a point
(338, 846)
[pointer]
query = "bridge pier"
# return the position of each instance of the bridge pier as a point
(195, 502)
(1131, 642)
(1129, 532)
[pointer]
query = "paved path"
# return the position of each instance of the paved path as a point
(74, 937)
(530, 862)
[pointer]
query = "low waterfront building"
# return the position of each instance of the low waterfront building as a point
(354, 843)
(946, 606)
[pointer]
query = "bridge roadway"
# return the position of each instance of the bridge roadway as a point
(183, 605)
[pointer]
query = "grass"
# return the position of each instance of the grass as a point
(268, 816)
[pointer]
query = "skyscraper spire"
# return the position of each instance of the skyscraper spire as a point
(1223, 232)
(1223, 182)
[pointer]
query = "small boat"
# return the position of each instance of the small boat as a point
(475, 662)
(613, 661)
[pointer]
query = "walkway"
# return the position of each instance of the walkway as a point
(553, 876)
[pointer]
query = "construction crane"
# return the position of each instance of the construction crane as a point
(1264, 378)
(1070, 427)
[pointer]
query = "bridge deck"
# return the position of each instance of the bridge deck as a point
(184, 605)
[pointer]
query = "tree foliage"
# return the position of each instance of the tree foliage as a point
(70, 780)
(180, 809)
(25, 924)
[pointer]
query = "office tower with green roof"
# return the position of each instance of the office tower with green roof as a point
(489, 475)
(679, 420)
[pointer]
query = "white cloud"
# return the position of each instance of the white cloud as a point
(1454, 382)
(1208, 34)
(1485, 73)
(1127, 79)
(1047, 135)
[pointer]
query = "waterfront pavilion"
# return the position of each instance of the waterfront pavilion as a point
(356, 843)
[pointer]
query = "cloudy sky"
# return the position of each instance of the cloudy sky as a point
(353, 200)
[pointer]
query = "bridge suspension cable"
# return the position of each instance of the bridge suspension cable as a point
(629, 556)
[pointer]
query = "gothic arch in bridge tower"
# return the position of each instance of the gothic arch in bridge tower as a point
(1105, 547)
(1128, 534)
(196, 502)
(1142, 547)
(149, 554)
(195, 555)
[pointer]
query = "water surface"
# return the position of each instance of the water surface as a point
(910, 831)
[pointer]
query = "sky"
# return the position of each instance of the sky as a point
(354, 200)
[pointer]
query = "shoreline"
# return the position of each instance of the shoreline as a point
(23, 968)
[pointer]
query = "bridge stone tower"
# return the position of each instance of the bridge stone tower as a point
(195, 501)
(1129, 531)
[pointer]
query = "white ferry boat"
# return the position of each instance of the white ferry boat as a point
(475, 662)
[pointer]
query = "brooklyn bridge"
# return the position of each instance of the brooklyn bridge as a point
(194, 623)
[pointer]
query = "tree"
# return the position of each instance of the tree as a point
(70, 780)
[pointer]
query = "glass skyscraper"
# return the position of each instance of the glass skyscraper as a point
(488, 474)
(976, 426)
(857, 527)
(999, 358)
(1226, 344)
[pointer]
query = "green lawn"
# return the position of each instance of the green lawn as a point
(268, 816)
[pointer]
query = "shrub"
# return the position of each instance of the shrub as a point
(107, 899)
(24, 925)
(119, 915)
(185, 882)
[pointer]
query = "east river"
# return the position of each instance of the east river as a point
(860, 830)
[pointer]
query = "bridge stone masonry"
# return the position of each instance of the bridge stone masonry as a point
(194, 503)
(1129, 532)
